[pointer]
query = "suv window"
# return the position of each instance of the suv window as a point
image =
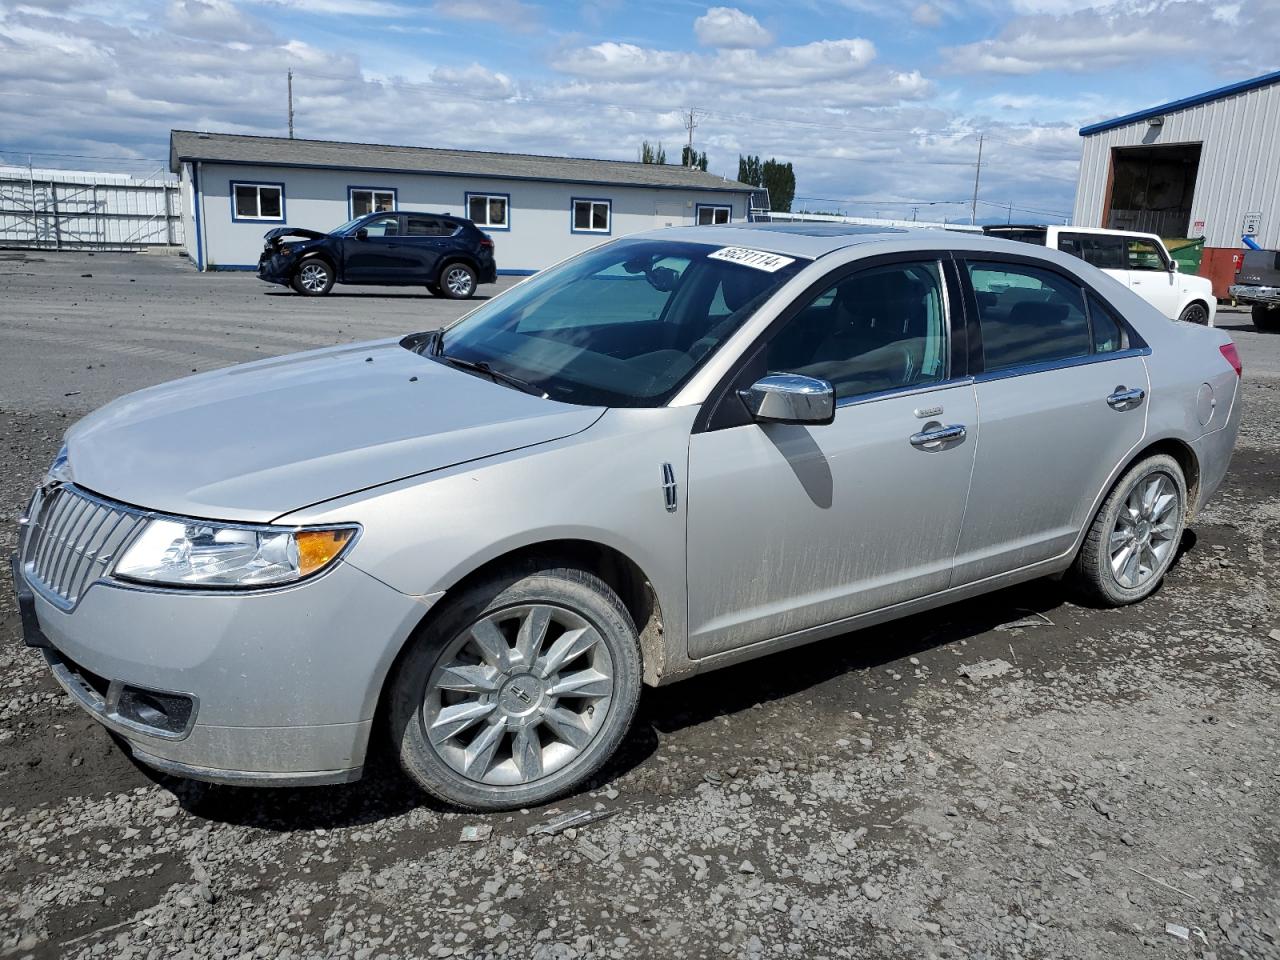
(1103, 251)
(1028, 315)
(875, 330)
(429, 227)
(1144, 255)
(383, 227)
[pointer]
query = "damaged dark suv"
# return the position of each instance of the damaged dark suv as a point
(448, 255)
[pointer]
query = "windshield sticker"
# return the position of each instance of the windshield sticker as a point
(756, 259)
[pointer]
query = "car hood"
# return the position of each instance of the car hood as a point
(279, 232)
(256, 441)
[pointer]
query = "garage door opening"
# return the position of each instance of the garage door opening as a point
(1151, 188)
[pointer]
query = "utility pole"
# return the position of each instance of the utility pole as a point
(977, 172)
(914, 211)
(291, 103)
(689, 124)
(1010, 217)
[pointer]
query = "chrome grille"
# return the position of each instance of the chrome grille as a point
(73, 538)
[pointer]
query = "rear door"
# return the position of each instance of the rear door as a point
(382, 256)
(428, 239)
(1106, 251)
(1062, 397)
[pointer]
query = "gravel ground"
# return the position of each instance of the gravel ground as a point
(1112, 793)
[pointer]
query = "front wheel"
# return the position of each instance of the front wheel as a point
(434, 289)
(313, 278)
(1135, 536)
(458, 281)
(1266, 318)
(519, 690)
(1196, 313)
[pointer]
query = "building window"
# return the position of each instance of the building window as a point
(362, 200)
(592, 216)
(257, 201)
(708, 214)
(489, 210)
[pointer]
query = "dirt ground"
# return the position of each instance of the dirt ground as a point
(1113, 794)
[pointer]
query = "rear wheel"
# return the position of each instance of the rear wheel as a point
(1195, 313)
(518, 691)
(313, 278)
(458, 281)
(1266, 317)
(1135, 536)
(434, 289)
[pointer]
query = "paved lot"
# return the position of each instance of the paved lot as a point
(856, 798)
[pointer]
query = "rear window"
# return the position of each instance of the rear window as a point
(1028, 315)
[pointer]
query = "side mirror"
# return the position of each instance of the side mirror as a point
(1174, 266)
(362, 234)
(790, 398)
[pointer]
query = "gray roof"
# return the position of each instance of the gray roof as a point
(281, 151)
(814, 240)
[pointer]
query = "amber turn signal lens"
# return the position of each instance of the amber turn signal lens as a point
(317, 548)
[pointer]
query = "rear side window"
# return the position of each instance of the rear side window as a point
(1104, 252)
(1028, 315)
(1108, 332)
(429, 227)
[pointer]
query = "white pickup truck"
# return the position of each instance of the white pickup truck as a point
(1138, 260)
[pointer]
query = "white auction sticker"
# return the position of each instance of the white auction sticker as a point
(757, 259)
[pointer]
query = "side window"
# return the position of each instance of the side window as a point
(1028, 315)
(879, 329)
(1108, 332)
(383, 227)
(428, 227)
(1104, 252)
(1143, 255)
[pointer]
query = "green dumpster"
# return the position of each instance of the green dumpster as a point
(1186, 252)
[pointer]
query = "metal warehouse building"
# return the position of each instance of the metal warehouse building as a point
(1205, 166)
(538, 209)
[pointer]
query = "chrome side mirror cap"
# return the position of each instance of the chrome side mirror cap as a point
(790, 398)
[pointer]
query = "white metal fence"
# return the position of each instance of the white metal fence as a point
(73, 210)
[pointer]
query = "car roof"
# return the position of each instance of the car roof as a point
(814, 240)
(997, 228)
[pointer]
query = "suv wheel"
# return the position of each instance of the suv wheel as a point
(1266, 317)
(1196, 313)
(458, 281)
(1135, 535)
(519, 690)
(434, 289)
(313, 278)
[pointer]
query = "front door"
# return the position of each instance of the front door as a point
(793, 526)
(382, 256)
(1063, 404)
(1151, 278)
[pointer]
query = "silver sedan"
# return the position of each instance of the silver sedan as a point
(673, 452)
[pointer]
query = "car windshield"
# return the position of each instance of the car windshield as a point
(346, 227)
(623, 325)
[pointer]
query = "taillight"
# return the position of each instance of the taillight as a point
(486, 241)
(1233, 358)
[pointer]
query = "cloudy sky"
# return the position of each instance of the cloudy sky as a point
(878, 104)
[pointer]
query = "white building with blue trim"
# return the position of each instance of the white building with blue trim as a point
(538, 209)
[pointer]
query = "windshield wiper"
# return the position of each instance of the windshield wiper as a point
(497, 376)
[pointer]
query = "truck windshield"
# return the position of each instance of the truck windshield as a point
(623, 325)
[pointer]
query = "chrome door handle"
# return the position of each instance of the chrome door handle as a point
(1123, 397)
(938, 435)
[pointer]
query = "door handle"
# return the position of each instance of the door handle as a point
(1123, 397)
(938, 435)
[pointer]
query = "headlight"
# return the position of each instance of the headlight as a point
(60, 469)
(200, 554)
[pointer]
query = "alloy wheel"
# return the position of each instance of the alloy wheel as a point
(519, 695)
(1142, 540)
(313, 277)
(458, 281)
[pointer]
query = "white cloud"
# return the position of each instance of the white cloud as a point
(347, 8)
(512, 14)
(730, 28)
(926, 15)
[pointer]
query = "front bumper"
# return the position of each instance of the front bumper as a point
(277, 268)
(1253, 293)
(283, 684)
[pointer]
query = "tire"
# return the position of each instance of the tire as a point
(1266, 318)
(1196, 313)
(434, 290)
(520, 743)
(457, 281)
(313, 278)
(1157, 531)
